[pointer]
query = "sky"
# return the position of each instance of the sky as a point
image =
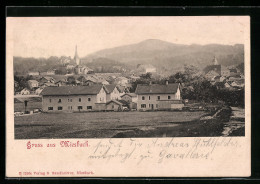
(57, 36)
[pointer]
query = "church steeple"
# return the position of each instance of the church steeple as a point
(215, 61)
(76, 57)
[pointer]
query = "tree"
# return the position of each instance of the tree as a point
(71, 80)
(146, 76)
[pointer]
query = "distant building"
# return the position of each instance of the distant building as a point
(211, 75)
(50, 72)
(79, 69)
(158, 97)
(33, 84)
(61, 82)
(220, 69)
(25, 91)
(146, 68)
(129, 97)
(113, 92)
(34, 73)
(47, 79)
(123, 81)
(38, 90)
(73, 98)
(70, 67)
(114, 105)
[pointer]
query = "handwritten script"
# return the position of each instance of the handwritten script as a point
(159, 150)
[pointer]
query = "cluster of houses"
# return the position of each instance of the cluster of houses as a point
(228, 77)
(99, 97)
(37, 84)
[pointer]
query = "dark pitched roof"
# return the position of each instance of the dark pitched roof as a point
(110, 88)
(130, 94)
(156, 88)
(121, 89)
(72, 90)
(114, 101)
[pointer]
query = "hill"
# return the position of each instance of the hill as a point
(171, 56)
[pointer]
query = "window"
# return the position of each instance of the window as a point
(89, 107)
(50, 108)
(143, 105)
(79, 99)
(149, 98)
(59, 108)
(89, 99)
(59, 101)
(149, 105)
(70, 107)
(113, 106)
(50, 100)
(143, 98)
(158, 97)
(169, 97)
(156, 105)
(69, 100)
(79, 107)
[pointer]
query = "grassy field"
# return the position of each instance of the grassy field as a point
(109, 124)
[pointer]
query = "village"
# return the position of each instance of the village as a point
(199, 96)
(84, 90)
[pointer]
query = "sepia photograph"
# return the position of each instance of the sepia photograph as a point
(129, 77)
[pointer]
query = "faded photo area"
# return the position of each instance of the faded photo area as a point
(125, 77)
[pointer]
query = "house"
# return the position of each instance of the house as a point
(47, 79)
(38, 91)
(220, 69)
(114, 105)
(34, 73)
(50, 72)
(123, 81)
(74, 98)
(238, 83)
(70, 67)
(61, 82)
(33, 84)
(129, 97)
(16, 84)
(113, 92)
(25, 91)
(148, 68)
(219, 78)
(211, 75)
(47, 84)
(158, 97)
(227, 85)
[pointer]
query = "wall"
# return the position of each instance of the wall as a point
(115, 108)
(101, 96)
(113, 95)
(65, 103)
(153, 100)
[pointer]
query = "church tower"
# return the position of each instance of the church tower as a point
(76, 57)
(215, 61)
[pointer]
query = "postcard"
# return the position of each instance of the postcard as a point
(136, 96)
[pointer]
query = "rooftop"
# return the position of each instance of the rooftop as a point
(72, 90)
(157, 88)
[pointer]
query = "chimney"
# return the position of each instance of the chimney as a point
(167, 82)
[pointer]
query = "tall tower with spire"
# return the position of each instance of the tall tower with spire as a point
(76, 57)
(215, 61)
